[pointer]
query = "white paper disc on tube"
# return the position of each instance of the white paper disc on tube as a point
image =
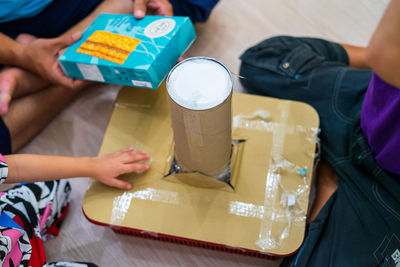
(199, 83)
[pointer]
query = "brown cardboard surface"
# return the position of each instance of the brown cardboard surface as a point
(202, 137)
(247, 217)
(203, 181)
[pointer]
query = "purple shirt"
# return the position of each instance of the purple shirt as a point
(380, 122)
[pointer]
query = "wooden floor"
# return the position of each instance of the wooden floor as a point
(233, 26)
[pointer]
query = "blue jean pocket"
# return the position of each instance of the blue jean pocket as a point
(287, 56)
(349, 90)
(299, 61)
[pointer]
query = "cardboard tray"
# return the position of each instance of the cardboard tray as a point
(262, 215)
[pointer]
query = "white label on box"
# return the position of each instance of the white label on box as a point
(141, 84)
(159, 28)
(90, 72)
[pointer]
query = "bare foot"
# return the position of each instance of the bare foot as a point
(7, 86)
(15, 82)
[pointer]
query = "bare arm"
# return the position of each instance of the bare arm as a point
(106, 168)
(357, 56)
(383, 52)
(39, 57)
(10, 51)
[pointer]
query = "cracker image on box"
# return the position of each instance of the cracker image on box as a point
(109, 46)
(120, 49)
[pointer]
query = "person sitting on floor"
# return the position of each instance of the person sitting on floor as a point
(32, 80)
(356, 92)
(31, 213)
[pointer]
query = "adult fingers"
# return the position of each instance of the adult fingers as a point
(66, 40)
(64, 81)
(60, 78)
(161, 8)
(139, 8)
(78, 84)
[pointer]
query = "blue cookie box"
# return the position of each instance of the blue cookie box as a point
(163, 41)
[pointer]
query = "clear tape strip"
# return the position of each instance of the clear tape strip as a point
(122, 203)
(121, 206)
(266, 238)
(238, 208)
(261, 120)
(293, 212)
(250, 210)
(290, 200)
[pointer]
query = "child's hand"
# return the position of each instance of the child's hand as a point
(108, 167)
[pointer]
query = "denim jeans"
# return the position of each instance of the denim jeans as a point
(360, 223)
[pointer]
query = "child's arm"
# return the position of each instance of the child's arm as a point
(106, 168)
(383, 52)
(357, 56)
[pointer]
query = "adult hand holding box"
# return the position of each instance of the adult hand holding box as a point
(120, 49)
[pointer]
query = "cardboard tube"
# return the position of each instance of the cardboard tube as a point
(199, 96)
